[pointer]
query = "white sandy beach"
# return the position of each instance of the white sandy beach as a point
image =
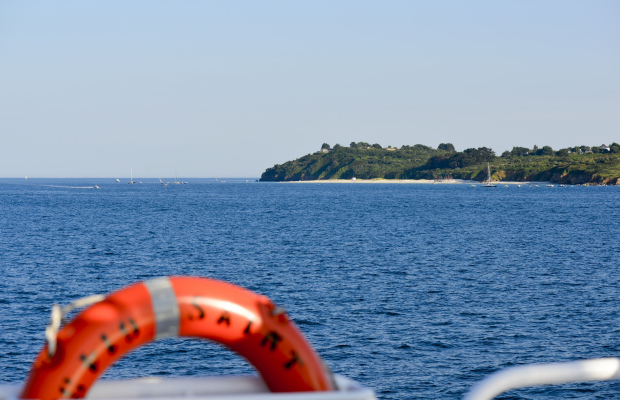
(414, 181)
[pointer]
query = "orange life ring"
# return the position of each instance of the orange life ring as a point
(241, 320)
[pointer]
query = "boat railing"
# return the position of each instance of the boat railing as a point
(601, 369)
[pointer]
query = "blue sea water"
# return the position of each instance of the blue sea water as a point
(417, 291)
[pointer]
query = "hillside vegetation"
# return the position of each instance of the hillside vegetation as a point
(577, 165)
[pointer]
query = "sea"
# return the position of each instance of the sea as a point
(417, 291)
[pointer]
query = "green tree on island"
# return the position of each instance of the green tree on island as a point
(447, 147)
(519, 151)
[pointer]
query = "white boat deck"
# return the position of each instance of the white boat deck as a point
(253, 387)
(211, 388)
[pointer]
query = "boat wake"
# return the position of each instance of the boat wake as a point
(73, 187)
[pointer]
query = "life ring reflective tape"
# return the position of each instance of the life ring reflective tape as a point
(247, 323)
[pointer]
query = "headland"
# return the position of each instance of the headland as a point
(362, 162)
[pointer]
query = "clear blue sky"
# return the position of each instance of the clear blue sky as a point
(230, 88)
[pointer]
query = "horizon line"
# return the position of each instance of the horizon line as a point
(128, 178)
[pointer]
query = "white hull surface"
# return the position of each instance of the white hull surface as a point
(206, 388)
(253, 387)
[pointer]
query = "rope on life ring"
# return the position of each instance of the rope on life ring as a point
(247, 323)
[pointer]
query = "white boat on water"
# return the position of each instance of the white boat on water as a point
(131, 176)
(488, 181)
(245, 322)
(175, 178)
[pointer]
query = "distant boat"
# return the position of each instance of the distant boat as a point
(163, 183)
(175, 178)
(488, 182)
(131, 177)
(549, 185)
(118, 180)
(95, 187)
(26, 177)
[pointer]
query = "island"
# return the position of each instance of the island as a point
(584, 165)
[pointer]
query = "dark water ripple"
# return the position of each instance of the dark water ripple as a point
(417, 291)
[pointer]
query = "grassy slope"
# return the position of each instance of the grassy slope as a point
(345, 162)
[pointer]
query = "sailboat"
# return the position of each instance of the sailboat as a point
(488, 182)
(131, 177)
(175, 177)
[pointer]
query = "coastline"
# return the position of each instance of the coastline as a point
(415, 181)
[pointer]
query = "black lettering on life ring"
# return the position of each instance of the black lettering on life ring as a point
(272, 337)
(225, 317)
(289, 364)
(201, 314)
(247, 328)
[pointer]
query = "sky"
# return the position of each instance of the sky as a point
(231, 88)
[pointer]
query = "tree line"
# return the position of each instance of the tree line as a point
(363, 160)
